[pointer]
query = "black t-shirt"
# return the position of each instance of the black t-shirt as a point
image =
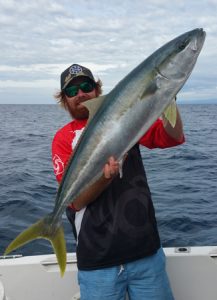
(120, 225)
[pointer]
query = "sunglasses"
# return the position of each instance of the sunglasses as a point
(85, 86)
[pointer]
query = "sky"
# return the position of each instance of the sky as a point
(41, 38)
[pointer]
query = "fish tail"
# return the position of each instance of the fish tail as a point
(45, 228)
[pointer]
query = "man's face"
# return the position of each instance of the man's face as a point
(74, 104)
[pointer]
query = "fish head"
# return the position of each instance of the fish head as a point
(165, 71)
(178, 57)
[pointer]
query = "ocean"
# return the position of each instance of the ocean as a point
(183, 179)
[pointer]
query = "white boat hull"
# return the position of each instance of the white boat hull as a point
(192, 273)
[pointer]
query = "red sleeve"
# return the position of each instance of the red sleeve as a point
(157, 137)
(61, 152)
(63, 144)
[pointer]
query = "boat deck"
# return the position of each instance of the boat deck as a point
(192, 272)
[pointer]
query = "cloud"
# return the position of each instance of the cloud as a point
(40, 39)
(44, 76)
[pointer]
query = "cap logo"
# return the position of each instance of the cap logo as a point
(75, 69)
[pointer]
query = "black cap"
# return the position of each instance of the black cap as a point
(73, 71)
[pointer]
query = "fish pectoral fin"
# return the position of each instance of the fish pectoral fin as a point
(43, 229)
(170, 113)
(150, 90)
(93, 105)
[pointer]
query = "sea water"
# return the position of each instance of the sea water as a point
(183, 179)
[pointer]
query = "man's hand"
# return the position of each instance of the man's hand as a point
(111, 168)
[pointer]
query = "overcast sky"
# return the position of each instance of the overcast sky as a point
(39, 39)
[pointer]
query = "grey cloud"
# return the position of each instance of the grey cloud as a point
(119, 34)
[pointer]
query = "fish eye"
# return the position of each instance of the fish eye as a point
(183, 45)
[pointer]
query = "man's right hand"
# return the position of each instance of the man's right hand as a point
(111, 168)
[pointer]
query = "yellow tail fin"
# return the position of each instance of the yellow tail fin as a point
(43, 229)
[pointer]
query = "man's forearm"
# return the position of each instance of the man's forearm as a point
(110, 171)
(91, 193)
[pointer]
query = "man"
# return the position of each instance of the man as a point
(118, 245)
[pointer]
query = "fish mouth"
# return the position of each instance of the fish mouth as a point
(202, 36)
(194, 46)
(199, 39)
(201, 32)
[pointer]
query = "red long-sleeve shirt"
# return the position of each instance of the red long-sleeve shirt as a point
(66, 138)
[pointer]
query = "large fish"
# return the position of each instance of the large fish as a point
(116, 122)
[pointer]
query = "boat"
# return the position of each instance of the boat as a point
(192, 272)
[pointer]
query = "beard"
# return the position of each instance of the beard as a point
(78, 113)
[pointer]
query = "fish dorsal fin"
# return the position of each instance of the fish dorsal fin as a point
(93, 105)
(170, 113)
